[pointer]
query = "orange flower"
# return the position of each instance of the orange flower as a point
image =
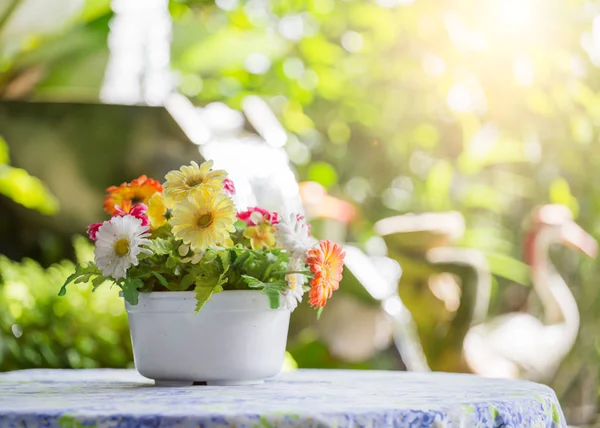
(327, 263)
(128, 194)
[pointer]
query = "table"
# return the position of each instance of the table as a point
(304, 398)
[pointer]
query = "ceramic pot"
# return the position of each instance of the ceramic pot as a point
(234, 339)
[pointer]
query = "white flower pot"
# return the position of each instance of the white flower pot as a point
(234, 339)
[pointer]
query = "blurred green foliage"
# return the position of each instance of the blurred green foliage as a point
(22, 188)
(485, 107)
(40, 329)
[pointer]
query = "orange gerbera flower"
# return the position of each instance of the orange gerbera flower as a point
(327, 263)
(128, 194)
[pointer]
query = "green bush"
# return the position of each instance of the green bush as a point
(40, 329)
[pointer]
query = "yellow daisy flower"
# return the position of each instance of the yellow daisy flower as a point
(191, 179)
(261, 235)
(159, 210)
(205, 218)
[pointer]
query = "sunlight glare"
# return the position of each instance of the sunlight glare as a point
(515, 14)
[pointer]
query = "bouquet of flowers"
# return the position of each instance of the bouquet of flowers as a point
(186, 234)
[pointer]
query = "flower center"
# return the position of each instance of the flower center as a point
(204, 221)
(122, 247)
(137, 200)
(193, 181)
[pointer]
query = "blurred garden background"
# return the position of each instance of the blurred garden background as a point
(488, 108)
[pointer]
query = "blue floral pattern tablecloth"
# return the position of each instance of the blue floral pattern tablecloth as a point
(305, 398)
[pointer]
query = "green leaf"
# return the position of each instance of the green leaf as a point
(241, 259)
(130, 289)
(184, 284)
(280, 285)
(233, 255)
(253, 282)
(4, 152)
(97, 282)
(207, 279)
(226, 49)
(208, 284)
(240, 224)
(319, 312)
(71, 278)
(27, 190)
(225, 260)
(171, 262)
(273, 296)
(268, 270)
(143, 256)
(161, 246)
(509, 268)
(82, 274)
(221, 281)
(161, 278)
(83, 278)
(209, 256)
(203, 294)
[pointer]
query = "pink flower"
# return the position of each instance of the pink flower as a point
(137, 211)
(92, 230)
(256, 215)
(229, 186)
(274, 218)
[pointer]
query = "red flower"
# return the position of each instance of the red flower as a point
(251, 218)
(92, 230)
(137, 211)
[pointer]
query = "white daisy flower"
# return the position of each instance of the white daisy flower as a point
(293, 234)
(293, 295)
(118, 244)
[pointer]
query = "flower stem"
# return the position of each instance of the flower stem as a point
(291, 272)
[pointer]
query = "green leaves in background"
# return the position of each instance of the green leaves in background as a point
(18, 185)
(509, 268)
(560, 193)
(323, 173)
(228, 49)
(40, 329)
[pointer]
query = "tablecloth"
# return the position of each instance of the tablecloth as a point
(304, 398)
